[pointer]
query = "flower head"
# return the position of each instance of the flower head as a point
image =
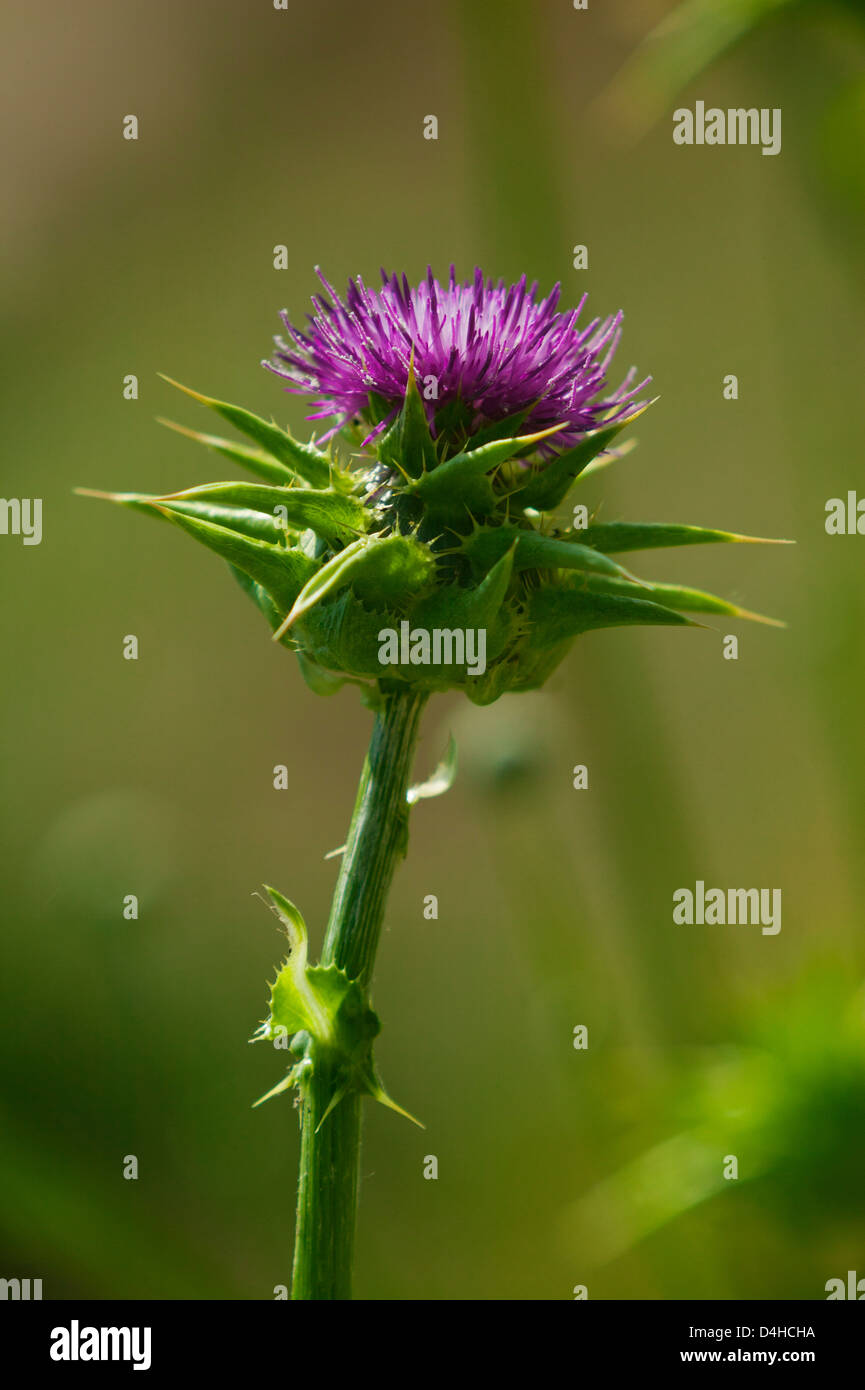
(481, 351)
(434, 557)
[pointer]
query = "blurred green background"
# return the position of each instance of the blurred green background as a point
(556, 1167)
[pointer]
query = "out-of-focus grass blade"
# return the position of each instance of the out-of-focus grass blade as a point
(677, 51)
(653, 1190)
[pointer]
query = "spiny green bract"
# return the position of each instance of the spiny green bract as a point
(425, 533)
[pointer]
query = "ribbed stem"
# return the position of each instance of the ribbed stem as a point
(330, 1156)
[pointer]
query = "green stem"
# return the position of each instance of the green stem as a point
(330, 1156)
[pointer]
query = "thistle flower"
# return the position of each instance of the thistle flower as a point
(487, 351)
(472, 409)
(443, 520)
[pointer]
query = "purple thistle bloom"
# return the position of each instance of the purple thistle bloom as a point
(494, 349)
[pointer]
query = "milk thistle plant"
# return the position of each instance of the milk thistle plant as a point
(458, 417)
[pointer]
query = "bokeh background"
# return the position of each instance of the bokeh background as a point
(556, 1167)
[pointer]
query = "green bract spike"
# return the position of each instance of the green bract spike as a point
(462, 483)
(304, 460)
(500, 429)
(332, 515)
(674, 596)
(281, 572)
(333, 575)
(475, 462)
(262, 600)
(381, 571)
(260, 525)
(546, 488)
(374, 1088)
(238, 536)
(650, 535)
(343, 635)
(537, 551)
(394, 572)
(602, 461)
(557, 614)
(136, 501)
(284, 1085)
(256, 460)
(408, 444)
(453, 606)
